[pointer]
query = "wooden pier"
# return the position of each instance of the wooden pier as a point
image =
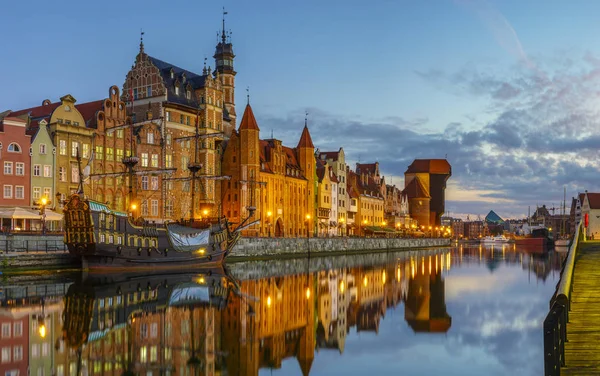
(582, 350)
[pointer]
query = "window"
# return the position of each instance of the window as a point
(188, 94)
(8, 168)
(153, 353)
(6, 330)
(85, 151)
(168, 161)
(154, 208)
(135, 93)
(8, 191)
(149, 91)
(99, 152)
(184, 162)
(14, 148)
(62, 174)
(145, 183)
(119, 155)
(45, 348)
(169, 139)
(37, 193)
(35, 350)
(37, 170)
(181, 117)
(5, 354)
(47, 171)
(154, 183)
(150, 137)
(154, 160)
(143, 355)
(187, 120)
(144, 209)
(62, 147)
(168, 116)
(60, 370)
(144, 159)
(176, 90)
(18, 329)
(74, 147)
(74, 175)
(42, 148)
(47, 192)
(20, 192)
(169, 208)
(109, 154)
(119, 133)
(17, 353)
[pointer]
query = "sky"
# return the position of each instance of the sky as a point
(507, 91)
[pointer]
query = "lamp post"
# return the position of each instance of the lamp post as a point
(43, 203)
(365, 222)
(308, 225)
(269, 214)
(342, 225)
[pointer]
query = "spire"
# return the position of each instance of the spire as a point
(305, 140)
(141, 41)
(204, 70)
(223, 32)
(248, 94)
(248, 119)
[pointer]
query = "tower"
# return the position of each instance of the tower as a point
(224, 70)
(249, 161)
(306, 158)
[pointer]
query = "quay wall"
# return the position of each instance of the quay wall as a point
(300, 247)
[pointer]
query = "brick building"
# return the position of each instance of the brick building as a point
(15, 161)
(425, 184)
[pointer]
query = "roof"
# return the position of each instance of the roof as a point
(432, 166)
(415, 189)
(42, 111)
(492, 217)
(367, 168)
(194, 80)
(333, 176)
(594, 200)
(248, 119)
(333, 155)
(89, 110)
(305, 140)
(321, 170)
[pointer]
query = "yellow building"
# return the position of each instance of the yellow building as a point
(370, 205)
(324, 198)
(276, 180)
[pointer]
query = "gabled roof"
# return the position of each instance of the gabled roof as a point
(333, 155)
(42, 111)
(195, 81)
(321, 167)
(89, 110)
(432, 166)
(415, 189)
(333, 176)
(366, 168)
(305, 140)
(248, 119)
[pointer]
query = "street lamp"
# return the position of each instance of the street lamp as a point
(307, 226)
(269, 222)
(43, 203)
(342, 225)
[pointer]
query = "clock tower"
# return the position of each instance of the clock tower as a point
(224, 71)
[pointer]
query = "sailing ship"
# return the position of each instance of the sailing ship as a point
(564, 239)
(105, 238)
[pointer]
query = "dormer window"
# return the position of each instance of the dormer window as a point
(176, 90)
(172, 74)
(183, 78)
(188, 94)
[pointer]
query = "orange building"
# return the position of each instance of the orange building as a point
(277, 180)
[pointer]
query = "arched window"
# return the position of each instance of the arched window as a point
(14, 148)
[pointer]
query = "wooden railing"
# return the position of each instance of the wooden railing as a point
(555, 324)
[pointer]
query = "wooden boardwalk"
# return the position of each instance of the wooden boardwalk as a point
(582, 349)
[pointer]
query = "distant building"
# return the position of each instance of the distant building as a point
(425, 184)
(591, 207)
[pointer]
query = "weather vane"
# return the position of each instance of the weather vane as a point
(248, 93)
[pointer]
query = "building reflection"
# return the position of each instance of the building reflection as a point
(208, 323)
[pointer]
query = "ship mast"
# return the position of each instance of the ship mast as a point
(194, 168)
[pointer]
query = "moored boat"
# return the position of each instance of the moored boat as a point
(103, 238)
(499, 239)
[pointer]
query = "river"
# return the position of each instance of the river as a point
(450, 311)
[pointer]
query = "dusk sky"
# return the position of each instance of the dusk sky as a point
(507, 90)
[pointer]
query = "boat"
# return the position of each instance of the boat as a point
(539, 238)
(104, 238)
(499, 239)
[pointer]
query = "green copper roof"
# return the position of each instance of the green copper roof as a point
(98, 207)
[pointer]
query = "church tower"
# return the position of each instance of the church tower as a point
(224, 70)
(249, 162)
(306, 158)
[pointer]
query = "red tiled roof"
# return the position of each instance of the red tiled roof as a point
(89, 110)
(291, 156)
(305, 140)
(333, 176)
(415, 189)
(594, 199)
(248, 119)
(39, 111)
(432, 166)
(333, 155)
(366, 168)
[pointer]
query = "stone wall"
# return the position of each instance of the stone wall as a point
(290, 247)
(31, 243)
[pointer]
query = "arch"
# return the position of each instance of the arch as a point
(279, 228)
(13, 147)
(113, 91)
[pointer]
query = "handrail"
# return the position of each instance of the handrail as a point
(555, 324)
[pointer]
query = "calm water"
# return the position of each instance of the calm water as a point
(470, 311)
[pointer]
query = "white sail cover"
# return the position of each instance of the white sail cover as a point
(186, 239)
(189, 294)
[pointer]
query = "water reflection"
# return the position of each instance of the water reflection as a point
(220, 322)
